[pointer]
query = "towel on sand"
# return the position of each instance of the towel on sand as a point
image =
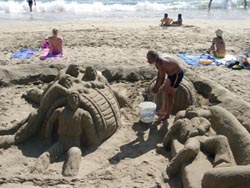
(46, 55)
(193, 59)
(25, 53)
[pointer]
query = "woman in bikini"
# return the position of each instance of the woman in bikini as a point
(218, 47)
(55, 43)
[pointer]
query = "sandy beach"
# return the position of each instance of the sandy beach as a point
(128, 158)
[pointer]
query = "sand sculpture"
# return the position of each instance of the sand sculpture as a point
(210, 145)
(217, 133)
(83, 112)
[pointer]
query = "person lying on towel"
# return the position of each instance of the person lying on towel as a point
(218, 47)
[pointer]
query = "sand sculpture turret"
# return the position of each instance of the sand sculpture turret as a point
(73, 113)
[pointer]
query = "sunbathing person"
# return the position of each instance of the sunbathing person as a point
(218, 47)
(179, 20)
(55, 43)
(166, 21)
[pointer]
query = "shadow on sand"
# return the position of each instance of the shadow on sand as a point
(148, 136)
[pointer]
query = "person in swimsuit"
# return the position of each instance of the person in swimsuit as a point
(30, 2)
(218, 47)
(245, 4)
(209, 5)
(55, 43)
(170, 75)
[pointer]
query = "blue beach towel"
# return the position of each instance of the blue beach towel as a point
(193, 59)
(25, 53)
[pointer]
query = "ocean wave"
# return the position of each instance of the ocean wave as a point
(103, 6)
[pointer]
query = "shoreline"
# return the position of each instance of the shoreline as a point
(213, 14)
(116, 22)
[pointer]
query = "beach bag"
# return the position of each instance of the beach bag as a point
(45, 44)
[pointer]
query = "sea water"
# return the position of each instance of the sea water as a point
(61, 10)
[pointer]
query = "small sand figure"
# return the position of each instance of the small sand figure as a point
(195, 134)
(72, 121)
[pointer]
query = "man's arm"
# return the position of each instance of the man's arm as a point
(61, 89)
(212, 46)
(61, 48)
(35, 2)
(50, 124)
(159, 81)
(89, 134)
(50, 46)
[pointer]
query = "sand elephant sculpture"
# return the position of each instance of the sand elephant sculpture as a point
(97, 116)
(216, 132)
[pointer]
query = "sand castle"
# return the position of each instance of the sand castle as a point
(205, 140)
(210, 124)
(73, 113)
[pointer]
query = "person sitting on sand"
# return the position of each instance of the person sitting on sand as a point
(166, 20)
(218, 47)
(169, 77)
(55, 43)
(179, 20)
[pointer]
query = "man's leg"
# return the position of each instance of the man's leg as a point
(54, 152)
(30, 5)
(165, 93)
(72, 162)
(170, 101)
(219, 146)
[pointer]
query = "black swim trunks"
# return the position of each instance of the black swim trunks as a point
(30, 2)
(175, 79)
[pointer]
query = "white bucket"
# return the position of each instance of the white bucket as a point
(147, 111)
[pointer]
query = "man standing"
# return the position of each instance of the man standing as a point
(209, 4)
(169, 77)
(245, 4)
(30, 2)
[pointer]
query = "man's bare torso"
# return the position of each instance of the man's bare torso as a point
(168, 66)
(55, 43)
(70, 123)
